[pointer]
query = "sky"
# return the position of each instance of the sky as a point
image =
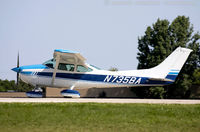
(105, 32)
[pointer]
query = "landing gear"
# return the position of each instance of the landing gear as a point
(70, 93)
(37, 92)
(43, 92)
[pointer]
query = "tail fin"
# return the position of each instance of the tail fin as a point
(171, 66)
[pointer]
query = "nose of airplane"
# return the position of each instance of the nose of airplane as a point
(16, 69)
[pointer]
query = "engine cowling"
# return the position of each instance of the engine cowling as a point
(34, 94)
(70, 93)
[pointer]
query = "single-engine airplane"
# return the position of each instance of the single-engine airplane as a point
(68, 69)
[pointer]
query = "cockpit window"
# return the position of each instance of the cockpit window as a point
(50, 63)
(81, 68)
(66, 67)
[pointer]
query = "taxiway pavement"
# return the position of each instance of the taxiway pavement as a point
(97, 100)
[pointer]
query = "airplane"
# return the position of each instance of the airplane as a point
(68, 69)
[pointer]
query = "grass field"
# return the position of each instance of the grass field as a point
(58, 117)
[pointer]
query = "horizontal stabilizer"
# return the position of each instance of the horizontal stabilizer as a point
(161, 79)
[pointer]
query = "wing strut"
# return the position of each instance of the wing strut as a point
(55, 69)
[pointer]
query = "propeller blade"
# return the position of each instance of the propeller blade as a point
(17, 78)
(18, 60)
(18, 67)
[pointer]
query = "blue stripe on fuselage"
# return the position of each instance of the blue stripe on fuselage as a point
(175, 70)
(172, 77)
(173, 73)
(40, 66)
(130, 80)
(27, 73)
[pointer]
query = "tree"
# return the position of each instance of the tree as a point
(159, 41)
(6, 85)
(196, 76)
(113, 69)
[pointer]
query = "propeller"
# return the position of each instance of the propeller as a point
(18, 67)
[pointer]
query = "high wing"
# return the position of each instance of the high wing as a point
(67, 57)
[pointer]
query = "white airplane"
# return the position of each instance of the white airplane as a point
(68, 69)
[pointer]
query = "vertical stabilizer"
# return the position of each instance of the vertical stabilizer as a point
(171, 66)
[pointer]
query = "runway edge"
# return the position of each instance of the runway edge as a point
(97, 100)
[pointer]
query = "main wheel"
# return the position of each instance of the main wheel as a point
(70, 93)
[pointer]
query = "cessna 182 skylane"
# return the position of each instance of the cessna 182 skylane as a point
(68, 69)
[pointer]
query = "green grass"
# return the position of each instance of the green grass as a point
(58, 117)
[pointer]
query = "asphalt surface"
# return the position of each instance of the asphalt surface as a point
(97, 100)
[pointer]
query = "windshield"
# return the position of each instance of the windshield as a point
(50, 63)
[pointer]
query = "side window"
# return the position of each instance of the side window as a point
(66, 67)
(81, 68)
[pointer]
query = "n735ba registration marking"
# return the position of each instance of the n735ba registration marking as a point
(122, 79)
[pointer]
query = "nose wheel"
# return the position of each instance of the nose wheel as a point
(37, 92)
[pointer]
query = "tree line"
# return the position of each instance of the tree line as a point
(157, 43)
(6, 85)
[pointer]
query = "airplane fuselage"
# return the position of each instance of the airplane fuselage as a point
(41, 75)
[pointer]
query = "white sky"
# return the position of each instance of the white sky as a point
(104, 31)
